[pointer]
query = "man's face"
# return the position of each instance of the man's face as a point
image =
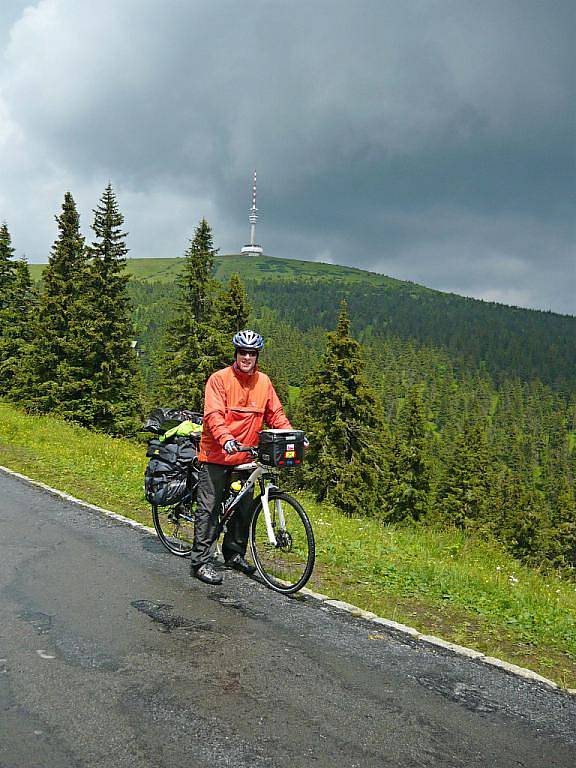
(246, 360)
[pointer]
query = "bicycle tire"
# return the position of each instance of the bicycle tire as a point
(175, 527)
(287, 566)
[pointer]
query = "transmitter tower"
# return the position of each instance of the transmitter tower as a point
(252, 246)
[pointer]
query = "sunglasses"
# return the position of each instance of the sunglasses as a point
(250, 352)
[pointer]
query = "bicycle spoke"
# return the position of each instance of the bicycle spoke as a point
(287, 565)
(175, 528)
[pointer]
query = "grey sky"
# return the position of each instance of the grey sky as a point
(431, 140)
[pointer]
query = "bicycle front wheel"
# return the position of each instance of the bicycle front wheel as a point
(175, 527)
(287, 565)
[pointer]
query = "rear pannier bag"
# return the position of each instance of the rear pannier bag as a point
(160, 420)
(281, 447)
(172, 472)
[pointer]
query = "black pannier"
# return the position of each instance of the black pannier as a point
(281, 447)
(160, 420)
(172, 472)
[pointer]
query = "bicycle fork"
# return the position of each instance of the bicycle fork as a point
(279, 516)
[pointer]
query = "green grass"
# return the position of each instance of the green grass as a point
(447, 583)
(442, 582)
(94, 467)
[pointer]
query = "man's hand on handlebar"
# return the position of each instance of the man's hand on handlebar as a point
(233, 446)
(251, 449)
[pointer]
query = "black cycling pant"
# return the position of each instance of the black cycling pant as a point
(213, 488)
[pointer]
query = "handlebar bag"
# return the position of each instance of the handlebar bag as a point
(281, 447)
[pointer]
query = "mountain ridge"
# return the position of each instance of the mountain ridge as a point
(504, 340)
(276, 268)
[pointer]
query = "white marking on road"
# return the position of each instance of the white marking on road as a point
(44, 655)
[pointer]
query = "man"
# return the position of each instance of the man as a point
(237, 401)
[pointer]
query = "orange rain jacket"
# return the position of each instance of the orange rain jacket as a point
(236, 405)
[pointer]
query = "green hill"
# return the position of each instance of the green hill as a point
(530, 344)
(253, 268)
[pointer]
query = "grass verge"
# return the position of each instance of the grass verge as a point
(442, 582)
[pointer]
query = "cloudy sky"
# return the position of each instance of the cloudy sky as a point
(431, 140)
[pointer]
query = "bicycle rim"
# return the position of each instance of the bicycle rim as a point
(287, 566)
(175, 528)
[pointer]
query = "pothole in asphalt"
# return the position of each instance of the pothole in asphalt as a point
(474, 699)
(41, 622)
(161, 613)
(231, 602)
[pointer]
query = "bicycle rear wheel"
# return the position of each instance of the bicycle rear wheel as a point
(175, 527)
(286, 566)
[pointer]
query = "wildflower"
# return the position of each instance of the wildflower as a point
(512, 579)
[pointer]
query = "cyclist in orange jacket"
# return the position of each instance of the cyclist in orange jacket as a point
(238, 400)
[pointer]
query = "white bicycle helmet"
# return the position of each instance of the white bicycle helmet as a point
(248, 340)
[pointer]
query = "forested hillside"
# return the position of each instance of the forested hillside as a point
(505, 341)
(482, 395)
(478, 399)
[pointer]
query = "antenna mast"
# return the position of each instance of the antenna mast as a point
(253, 247)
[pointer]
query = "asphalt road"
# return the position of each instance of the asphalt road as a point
(112, 657)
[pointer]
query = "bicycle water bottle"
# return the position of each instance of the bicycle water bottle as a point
(234, 491)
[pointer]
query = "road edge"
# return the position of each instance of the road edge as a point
(354, 610)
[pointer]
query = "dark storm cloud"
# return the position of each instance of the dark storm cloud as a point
(431, 140)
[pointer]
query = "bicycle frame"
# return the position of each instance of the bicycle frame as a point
(262, 475)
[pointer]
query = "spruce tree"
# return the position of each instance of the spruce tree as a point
(196, 282)
(525, 525)
(233, 308)
(7, 265)
(340, 412)
(111, 360)
(7, 277)
(54, 375)
(561, 534)
(230, 315)
(407, 491)
(16, 298)
(192, 343)
(464, 490)
(16, 325)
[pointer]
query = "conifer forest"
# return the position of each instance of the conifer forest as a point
(422, 408)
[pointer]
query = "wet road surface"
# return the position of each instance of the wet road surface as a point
(112, 657)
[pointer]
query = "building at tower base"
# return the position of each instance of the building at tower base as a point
(252, 248)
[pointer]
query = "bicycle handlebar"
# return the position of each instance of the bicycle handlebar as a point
(251, 449)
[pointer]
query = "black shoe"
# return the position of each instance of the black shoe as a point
(238, 563)
(208, 574)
